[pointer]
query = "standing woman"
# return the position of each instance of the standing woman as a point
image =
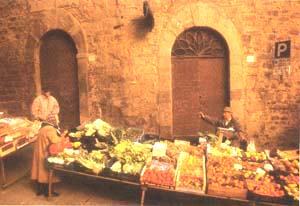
(45, 105)
(47, 135)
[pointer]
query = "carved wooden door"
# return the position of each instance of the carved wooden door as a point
(59, 72)
(200, 79)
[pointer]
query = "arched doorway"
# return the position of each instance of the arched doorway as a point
(200, 79)
(59, 71)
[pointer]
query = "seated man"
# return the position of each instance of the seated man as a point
(229, 122)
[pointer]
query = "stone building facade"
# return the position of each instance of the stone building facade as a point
(124, 70)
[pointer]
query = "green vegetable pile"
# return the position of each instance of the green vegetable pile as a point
(130, 156)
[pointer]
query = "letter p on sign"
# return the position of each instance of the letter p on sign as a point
(283, 49)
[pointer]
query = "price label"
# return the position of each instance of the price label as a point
(208, 148)
(202, 140)
(159, 149)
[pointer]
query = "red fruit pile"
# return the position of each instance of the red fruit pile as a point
(160, 174)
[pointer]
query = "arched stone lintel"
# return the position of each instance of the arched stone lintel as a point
(202, 15)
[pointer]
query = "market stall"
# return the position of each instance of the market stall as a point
(16, 133)
(207, 169)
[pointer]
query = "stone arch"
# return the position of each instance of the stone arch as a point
(40, 25)
(201, 15)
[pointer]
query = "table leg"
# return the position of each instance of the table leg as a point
(3, 172)
(50, 184)
(220, 138)
(144, 189)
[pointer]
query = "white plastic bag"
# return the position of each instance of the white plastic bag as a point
(251, 146)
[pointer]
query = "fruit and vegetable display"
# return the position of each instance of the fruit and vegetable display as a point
(174, 149)
(15, 133)
(127, 151)
(64, 158)
(159, 173)
(252, 170)
(190, 173)
(265, 186)
(224, 150)
(130, 156)
(59, 147)
(95, 160)
(105, 132)
(288, 172)
(260, 181)
(97, 129)
(291, 185)
(252, 156)
(287, 165)
(76, 145)
(222, 170)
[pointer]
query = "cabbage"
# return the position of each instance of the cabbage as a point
(103, 128)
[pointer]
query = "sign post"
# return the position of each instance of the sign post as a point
(283, 49)
(282, 58)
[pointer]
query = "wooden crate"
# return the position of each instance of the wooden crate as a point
(186, 189)
(155, 185)
(228, 192)
(289, 154)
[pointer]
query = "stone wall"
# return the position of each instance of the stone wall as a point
(125, 74)
(13, 81)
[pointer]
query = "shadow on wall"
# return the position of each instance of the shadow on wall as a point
(109, 112)
(142, 27)
(289, 139)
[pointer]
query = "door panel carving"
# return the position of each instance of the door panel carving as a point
(197, 42)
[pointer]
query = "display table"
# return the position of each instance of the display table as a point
(16, 133)
(53, 168)
(19, 147)
(144, 188)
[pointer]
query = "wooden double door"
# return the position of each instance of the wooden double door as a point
(200, 79)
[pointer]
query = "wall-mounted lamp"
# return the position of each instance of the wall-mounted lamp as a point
(144, 24)
(92, 58)
(148, 15)
(250, 58)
